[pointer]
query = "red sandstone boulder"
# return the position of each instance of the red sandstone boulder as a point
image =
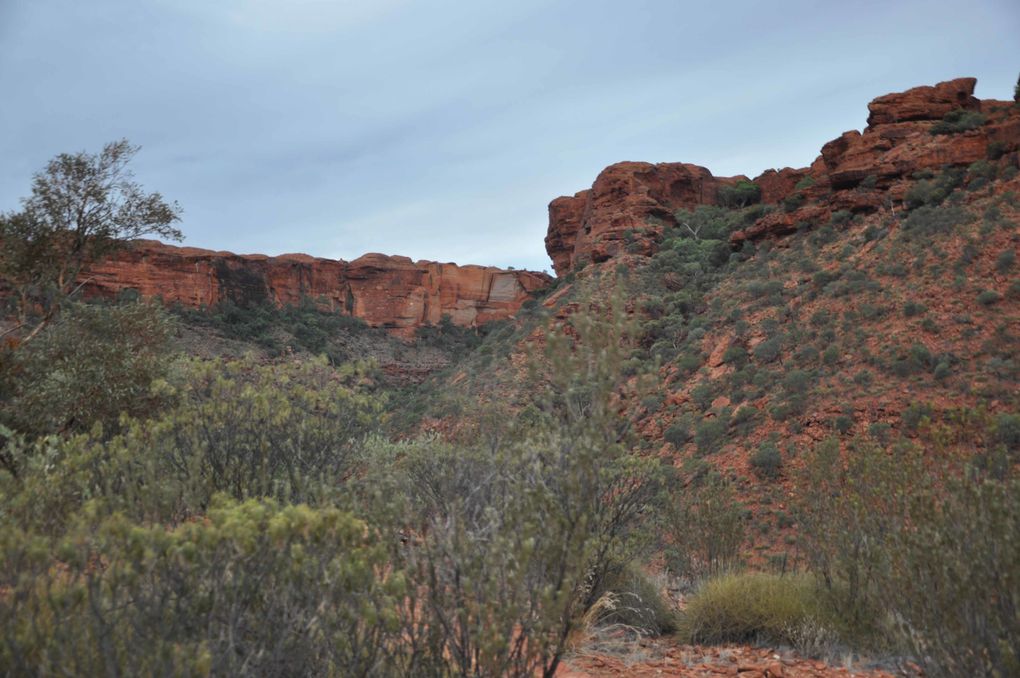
(923, 103)
(565, 216)
(777, 185)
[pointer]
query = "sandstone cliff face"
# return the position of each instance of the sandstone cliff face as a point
(386, 291)
(629, 203)
(625, 210)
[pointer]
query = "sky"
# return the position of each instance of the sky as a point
(441, 129)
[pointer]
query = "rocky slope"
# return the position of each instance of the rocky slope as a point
(390, 292)
(872, 296)
(925, 128)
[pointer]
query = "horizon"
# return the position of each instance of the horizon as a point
(442, 133)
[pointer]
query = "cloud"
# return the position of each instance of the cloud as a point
(442, 129)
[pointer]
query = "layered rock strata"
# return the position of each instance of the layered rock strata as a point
(391, 292)
(630, 203)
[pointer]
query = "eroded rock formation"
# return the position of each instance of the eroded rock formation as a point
(386, 291)
(625, 210)
(630, 203)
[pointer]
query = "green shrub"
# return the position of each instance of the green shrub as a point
(767, 462)
(1007, 431)
(94, 363)
(807, 182)
(744, 420)
(238, 592)
(797, 381)
(1004, 262)
(914, 308)
(735, 354)
(959, 120)
(742, 608)
(954, 584)
(704, 529)
(741, 194)
(793, 202)
(932, 192)
(942, 371)
(843, 423)
(632, 599)
(768, 350)
(840, 217)
(988, 297)
(678, 434)
(710, 434)
(703, 394)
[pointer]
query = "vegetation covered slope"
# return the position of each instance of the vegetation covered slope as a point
(835, 407)
(872, 325)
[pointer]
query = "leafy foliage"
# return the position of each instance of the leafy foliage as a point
(959, 120)
(83, 206)
(94, 364)
(749, 607)
(254, 588)
(704, 525)
(740, 194)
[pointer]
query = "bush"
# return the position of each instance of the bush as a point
(914, 308)
(1004, 262)
(239, 592)
(915, 415)
(710, 434)
(959, 120)
(735, 354)
(840, 217)
(768, 350)
(793, 202)
(932, 191)
(678, 434)
(988, 297)
(1007, 431)
(767, 462)
(923, 543)
(704, 527)
(633, 600)
(94, 363)
(114, 559)
(953, 581)
(744, 608)
(741, 194)
(806, 182)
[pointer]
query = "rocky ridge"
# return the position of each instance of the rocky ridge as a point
(391, 292)
(631, 203)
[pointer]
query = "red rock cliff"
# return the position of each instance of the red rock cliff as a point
(386, 291)
(630, 203)
(625, 210)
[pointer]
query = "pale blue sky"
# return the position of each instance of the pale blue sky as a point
(441, 130)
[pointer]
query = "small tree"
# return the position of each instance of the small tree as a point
(82, 207)
(741, 194)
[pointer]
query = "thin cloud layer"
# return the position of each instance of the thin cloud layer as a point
(441, 130)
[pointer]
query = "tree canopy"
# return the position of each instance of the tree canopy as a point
(82, 207)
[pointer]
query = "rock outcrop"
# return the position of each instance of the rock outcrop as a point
(391, 292)
(625, 210)
(630, 203)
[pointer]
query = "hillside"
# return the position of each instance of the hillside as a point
(877, 288)
(760, 426)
